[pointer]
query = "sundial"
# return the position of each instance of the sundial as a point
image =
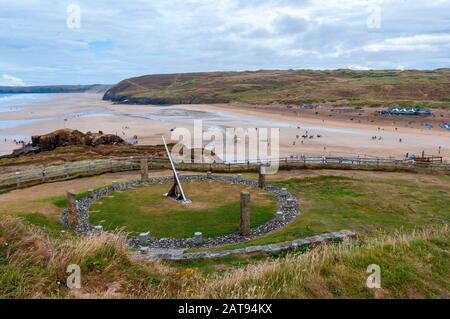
(176, 192)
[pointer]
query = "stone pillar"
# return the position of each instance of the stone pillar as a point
(279, 215)
(245, 214)
(144, 169)
(98, 229)
(198, 238)
(143, 239)
(262, 176)
(72, 209)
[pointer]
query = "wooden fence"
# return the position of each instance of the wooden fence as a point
(68, 171)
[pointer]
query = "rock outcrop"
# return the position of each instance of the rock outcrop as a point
(68, 137)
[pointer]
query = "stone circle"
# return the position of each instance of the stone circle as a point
(287, 210)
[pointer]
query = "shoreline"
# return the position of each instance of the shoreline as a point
(340, 136)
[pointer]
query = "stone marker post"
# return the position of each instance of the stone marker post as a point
(98, 229)
(262, 176)
(72, 208)
(198, 238)
(143, 239)
(144, 169)
(245, 214)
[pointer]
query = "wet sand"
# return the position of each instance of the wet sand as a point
(87, 112)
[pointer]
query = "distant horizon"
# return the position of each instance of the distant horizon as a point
(218, 71)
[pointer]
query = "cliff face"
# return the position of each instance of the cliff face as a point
(287, 87)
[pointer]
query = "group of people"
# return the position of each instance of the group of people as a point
(379, 138)
(123, 130)
(134, 141)
(305, 136)
(17, 142)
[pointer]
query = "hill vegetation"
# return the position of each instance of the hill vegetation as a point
(33, 265)
(372, 88)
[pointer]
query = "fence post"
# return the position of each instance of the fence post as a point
(18, 179)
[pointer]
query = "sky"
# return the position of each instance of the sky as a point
(50, 42)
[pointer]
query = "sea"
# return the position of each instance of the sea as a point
(16, 102)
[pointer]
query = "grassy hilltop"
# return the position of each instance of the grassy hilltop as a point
(389, 87)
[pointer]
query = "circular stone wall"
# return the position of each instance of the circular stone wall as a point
(287, 209)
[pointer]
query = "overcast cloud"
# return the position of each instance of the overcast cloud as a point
(120, 39)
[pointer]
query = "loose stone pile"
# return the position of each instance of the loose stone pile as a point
(288, 209)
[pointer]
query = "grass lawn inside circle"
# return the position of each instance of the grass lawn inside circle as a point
(215, 210)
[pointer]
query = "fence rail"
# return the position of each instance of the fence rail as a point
(68, 171)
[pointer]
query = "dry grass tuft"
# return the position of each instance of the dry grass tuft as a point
(323, 272)
(33, 265)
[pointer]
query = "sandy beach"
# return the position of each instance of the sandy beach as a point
(331, 136)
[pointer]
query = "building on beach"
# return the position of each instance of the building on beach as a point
(407, 111)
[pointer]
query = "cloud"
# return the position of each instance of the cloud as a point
(358, 67)
(124, 39)
(9, 80)
(411, 43)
